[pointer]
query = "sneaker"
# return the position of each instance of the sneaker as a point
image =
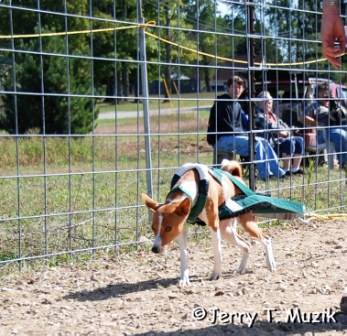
(298, 172)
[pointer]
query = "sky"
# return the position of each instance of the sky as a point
(224, 5)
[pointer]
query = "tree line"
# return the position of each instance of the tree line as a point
(49, 79)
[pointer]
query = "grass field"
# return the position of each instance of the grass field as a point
(62, 194)
(174, 102)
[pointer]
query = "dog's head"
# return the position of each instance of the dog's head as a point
(168, 220)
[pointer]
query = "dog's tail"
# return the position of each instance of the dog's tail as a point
(233, 167)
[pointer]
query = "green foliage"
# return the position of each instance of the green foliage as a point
(114, 71)
(49, 80)
(49, 114)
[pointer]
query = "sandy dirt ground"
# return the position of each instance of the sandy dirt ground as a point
(137, 294)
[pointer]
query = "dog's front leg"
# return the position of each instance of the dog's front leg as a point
(217, 250)
(182, 242)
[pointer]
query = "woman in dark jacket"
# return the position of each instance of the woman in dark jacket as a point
(289, 147)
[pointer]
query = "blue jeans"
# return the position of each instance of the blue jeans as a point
(291, 146)
(338, 136)
(267, 160)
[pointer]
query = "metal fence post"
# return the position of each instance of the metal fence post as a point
(145, 101)
(251, 90)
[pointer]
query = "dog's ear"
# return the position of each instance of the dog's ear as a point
(180, 208)
(149, 202)
(169, 208)
(183, 208)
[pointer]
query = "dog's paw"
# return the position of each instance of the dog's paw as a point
(271, 266)
(215, 275)
(243, 264)
(184, 278)
(242, 269)
(184, 282)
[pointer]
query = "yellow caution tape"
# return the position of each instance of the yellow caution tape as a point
(328, 217)
(195, 51)
(76, 32)
(151, 24)
(232, 59)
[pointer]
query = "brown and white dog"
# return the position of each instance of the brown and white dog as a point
(169, 218)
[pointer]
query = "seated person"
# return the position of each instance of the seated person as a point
(279, 134)
(290, 110)
(330, 114)
(228, 126)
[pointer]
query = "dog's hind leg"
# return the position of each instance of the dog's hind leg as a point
(210, 214)
(270, 260)
(247, 221)
(229, 233)
(217, 251)
(182, 242)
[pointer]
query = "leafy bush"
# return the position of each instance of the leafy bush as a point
(43, 109)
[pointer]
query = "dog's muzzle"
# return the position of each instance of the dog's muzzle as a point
(156, 249)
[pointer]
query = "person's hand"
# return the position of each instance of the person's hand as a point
(309, 121)
(333, 31)
(284, 134)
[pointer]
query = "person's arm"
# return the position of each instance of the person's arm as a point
(245, 120)
(323, 115)
(211, 127)
(309, 121)
(332, 30)
(262, 124)
(285, 129)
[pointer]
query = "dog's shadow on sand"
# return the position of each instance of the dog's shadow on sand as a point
(120, 289)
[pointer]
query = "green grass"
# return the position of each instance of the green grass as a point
(114, 189)
(201, 118)
(80, 192)
(189, 100)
